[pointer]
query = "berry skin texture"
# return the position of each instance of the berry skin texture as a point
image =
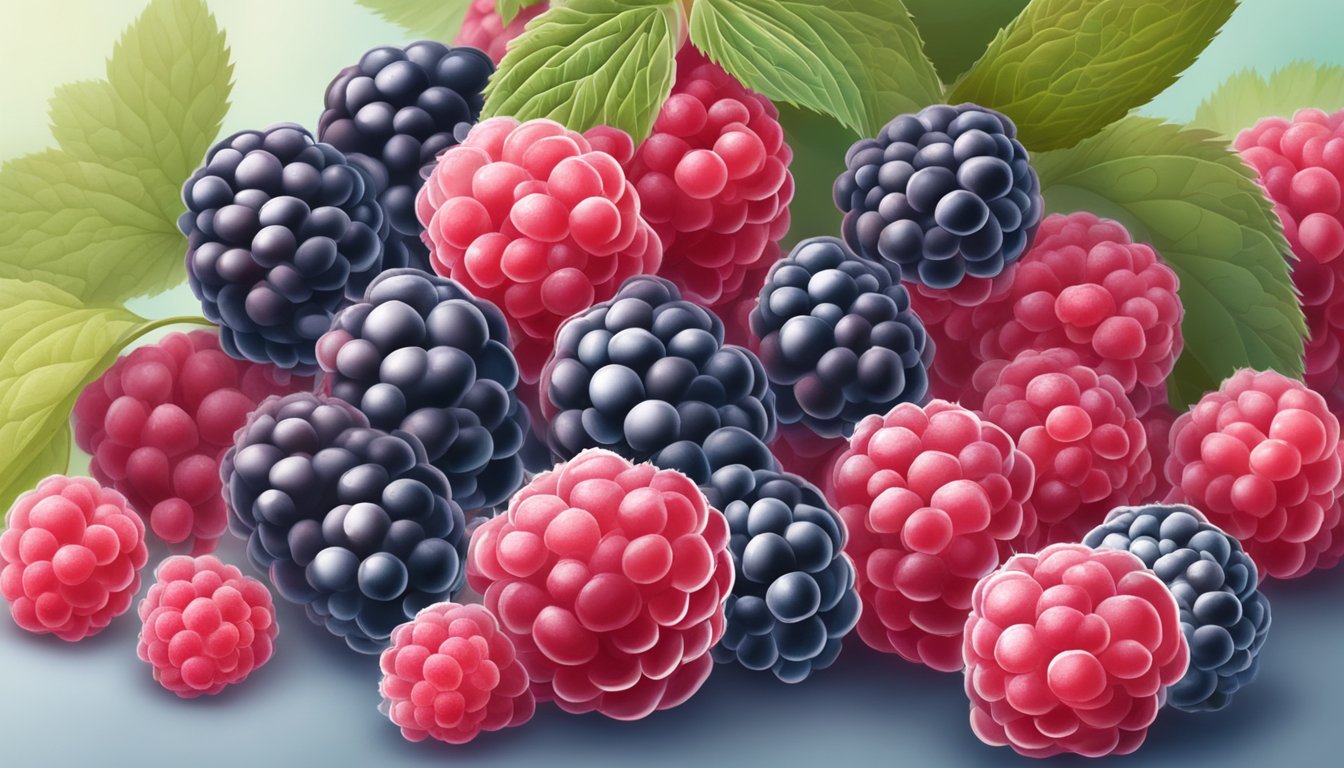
(483, 28)
(348, 521)
(1261, 457)
(205, 626)
(947, 194)
(282, 232)
(837, 338)
(71, 554)
(450, 674)
(1071, 651)
(725, 447)
(610, 578)
(933, 498)
(158, 421)
(1157, 423)
(1224, 618)
(421, 354)
(533, 218)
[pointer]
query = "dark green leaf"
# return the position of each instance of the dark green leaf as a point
(956, 32)
(819, 144)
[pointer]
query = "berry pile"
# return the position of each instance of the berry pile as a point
(725, 447)
(483, 28)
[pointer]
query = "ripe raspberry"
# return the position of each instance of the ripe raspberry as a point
(946, 193)
(957, 321)
(205, 626)
(72, 554)
(530, 217)
(808, 455)
(1157, 424)
(350, 522)
(933, 499)
(1071, 650)
(1224, 618)
(450, 673)
(725, 446)
(158, 421)
(483, 28)
(610, 578)
(1089, 450)
(421, 354)
(1261, 457)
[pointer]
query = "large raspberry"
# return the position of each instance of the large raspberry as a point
(611, 579)
(158, 421)
(957, 321)
(450, 673)
(933, 498)
(483, 28)
(530, 217)
(205, 626)
(1089, 449)
(72, 554)
(1261, 457)
(1071, 650)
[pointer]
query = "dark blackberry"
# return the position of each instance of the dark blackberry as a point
(946, 193)
(1224, 617)
(282, 232)
(351, 522)
(838, 339)
(420, 353)
(394, 112)
(724, 447)
(648, 369)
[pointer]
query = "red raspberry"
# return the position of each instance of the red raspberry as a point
(611, 579)
(205, 626)
(483, 28)
(1089, 449)
(1071, 650)
(958, 321)
(450, 673)
(812, 457)
(1157, 424)
(72, 554)
(1261, 457)
(158, 421)
(933, 498)
(533, 218)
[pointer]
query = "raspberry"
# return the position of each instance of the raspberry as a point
(72, 554)
(393, 113)
(947, 194)
(933, 499)
(350, 522)
(810, 456)
(205, 626)
(282, 232)
(532, 218)
(421, 354)
(837, 338)
(1157, 424)
(610, 578)
(957, 321)
(158, 421)
(648, 369)
(1261, 457)
(450, 673)
(1071, 650)
(1224, 618)
(725, 446)
(1089, 450)
(483, 28)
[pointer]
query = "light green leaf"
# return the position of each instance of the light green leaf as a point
(859, 61)
(591, 62)
(508, 9)
(956, 32)
(1248, 96)
(819, 144)
(46, 457)
(433, 19)
(1065, 69)
(1200, 207)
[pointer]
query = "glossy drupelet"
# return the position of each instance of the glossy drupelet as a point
(724, 447)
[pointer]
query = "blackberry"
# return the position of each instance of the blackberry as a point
(421, 354)
(648, 369)
(394, 112)
(725, 446)
(1224, 617)
(946, 193)
(349, 521)
(282, 232)
(838, 339)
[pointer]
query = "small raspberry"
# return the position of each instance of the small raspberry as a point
(483, 28)
(1157, 424)
(205, 626)
(810, 456)
(450, 673)
(610, 578)
(72, 554)
(933, 498)
(1261, 457)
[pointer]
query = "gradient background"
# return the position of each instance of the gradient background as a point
(81, 705)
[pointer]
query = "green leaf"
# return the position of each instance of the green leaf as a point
(591, 62)
(52, 458)
(433, 19)
(859, 61)
(1065, 69)
(956, 32)
(1248, 96)
(1200, 207)
(508, 9)
(819, 144)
